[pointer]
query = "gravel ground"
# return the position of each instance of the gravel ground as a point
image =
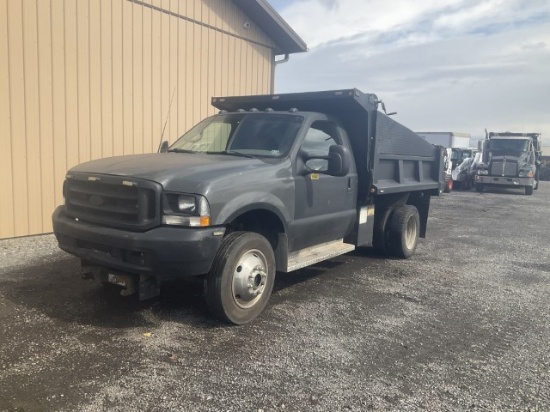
(463, 325)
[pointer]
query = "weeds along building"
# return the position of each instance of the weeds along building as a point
(85, 79)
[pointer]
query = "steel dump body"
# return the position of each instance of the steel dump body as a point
(390, 158)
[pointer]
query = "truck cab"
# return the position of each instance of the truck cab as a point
(510, 160)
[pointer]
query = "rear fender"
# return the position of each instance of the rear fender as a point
(421, 200)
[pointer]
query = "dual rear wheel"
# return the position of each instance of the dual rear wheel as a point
(396, 231)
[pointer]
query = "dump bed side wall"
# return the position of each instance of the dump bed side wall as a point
(403, 161)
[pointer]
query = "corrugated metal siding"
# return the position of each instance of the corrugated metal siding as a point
(81, 80)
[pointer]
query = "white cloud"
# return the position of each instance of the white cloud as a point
(457, 65)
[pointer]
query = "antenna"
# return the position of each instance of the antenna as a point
(166, 121)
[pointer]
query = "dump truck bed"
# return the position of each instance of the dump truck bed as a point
(390, 157)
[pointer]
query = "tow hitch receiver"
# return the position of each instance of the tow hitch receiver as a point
(146, 285)
(126, 281)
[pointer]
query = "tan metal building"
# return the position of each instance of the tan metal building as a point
(85, 79)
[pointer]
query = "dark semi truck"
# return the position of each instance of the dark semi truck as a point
(271, 183)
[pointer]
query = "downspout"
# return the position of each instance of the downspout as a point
(275, 63)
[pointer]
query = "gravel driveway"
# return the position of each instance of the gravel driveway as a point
(463, 325)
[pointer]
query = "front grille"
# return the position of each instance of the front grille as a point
(112, 201)
(506, 168)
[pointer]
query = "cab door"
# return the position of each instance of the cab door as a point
(325, 207)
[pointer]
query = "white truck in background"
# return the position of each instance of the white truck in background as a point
(458, 148)
(447, 139)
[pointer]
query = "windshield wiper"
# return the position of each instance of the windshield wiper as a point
(177, 150)
(234, 153)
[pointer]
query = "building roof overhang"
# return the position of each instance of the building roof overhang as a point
(271, 22)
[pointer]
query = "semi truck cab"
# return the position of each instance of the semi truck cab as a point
(510, 160)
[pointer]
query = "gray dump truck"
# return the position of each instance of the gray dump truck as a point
(509, 160)
(271, 183)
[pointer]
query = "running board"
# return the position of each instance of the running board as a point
(310, 255)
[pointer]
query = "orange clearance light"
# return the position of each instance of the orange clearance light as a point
(205, 221)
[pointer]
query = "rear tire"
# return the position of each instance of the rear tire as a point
(404, 228)
(241, 279)
(528, 190)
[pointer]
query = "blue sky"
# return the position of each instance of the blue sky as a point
(443, 65)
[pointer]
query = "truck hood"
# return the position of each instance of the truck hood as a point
(521, 158)
(179, 172)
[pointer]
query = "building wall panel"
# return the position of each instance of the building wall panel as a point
(7, 227)
(60, 99)
(71, 86)
(85, 79)
(45, 115)
(16, 63)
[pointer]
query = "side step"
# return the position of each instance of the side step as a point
(310, 255)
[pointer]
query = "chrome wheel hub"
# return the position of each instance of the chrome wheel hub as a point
(249, 278)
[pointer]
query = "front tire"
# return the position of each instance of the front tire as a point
(528, 190)
(479, 188)
(404, 228)
(240, 282)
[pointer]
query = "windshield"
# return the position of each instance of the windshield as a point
(250, 134)
(508, 146)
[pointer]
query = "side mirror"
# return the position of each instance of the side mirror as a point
(339, 160)
(164, 147)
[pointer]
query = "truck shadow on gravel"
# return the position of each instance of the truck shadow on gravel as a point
(56, 290)
(503, 191)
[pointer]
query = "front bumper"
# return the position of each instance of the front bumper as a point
(505, 181)
(164, 252)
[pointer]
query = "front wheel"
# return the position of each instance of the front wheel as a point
(404, 228)
(241, 279)
(479, 188)
(528, 190)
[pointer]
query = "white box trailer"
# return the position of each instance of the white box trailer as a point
(447, 139)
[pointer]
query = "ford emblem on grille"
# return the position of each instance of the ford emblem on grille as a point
(95, 200)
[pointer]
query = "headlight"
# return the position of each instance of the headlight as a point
(185, 210)
(526, 173)
(482, 172)
(186, 204)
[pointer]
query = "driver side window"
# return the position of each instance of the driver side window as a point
(321, 135)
